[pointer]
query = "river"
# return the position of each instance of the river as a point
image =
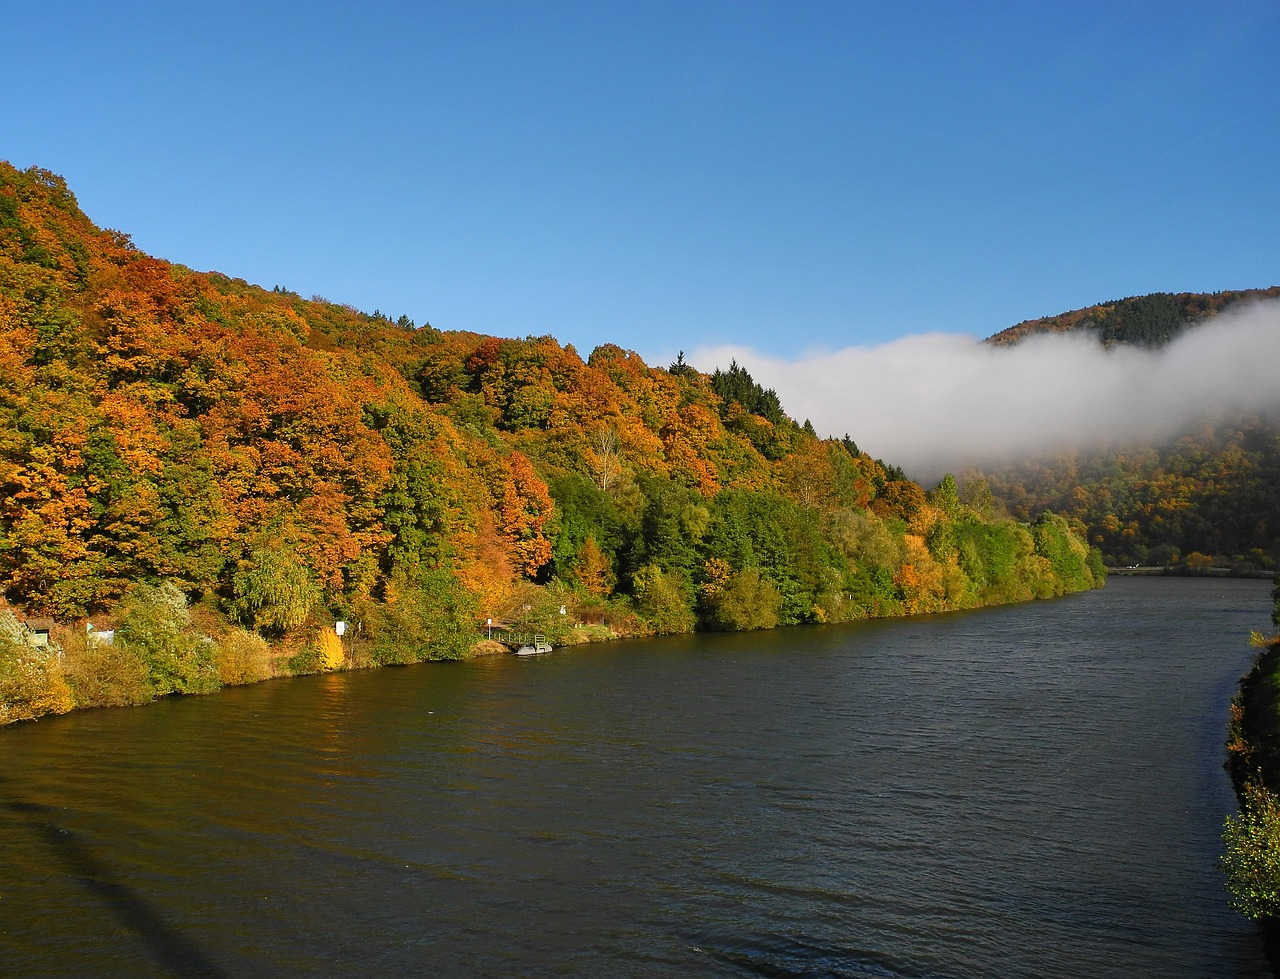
(1023, 791)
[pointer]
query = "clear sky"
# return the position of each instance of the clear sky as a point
(790, 175)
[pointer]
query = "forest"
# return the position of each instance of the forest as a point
(1206, 497)
(1144, 321)
(202, 477)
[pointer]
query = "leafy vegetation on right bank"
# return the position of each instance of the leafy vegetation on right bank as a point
(1251, 838)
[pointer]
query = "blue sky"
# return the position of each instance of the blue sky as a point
(788, 176)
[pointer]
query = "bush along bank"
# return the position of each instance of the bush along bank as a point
(156, 642)
(1251, 837)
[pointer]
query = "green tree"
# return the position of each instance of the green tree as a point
(1252, 859)
(946, 497)
(273, 592)
(736, 385)
(781, 537)
(1066, 553)
(427, 616)
(747, 601)
(156, 626)
(661, 600)
(672, 526)
(586, 512)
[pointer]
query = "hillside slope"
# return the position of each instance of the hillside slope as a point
(1207, 495)
(1145, 321)
(168, 435)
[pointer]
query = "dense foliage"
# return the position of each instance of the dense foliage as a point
(222, 471)
(1251, 838)
(1208, 496)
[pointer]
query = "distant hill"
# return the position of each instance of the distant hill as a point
(1210, 494)
(1145, 321)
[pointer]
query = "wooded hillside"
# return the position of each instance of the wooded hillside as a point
(190, 457)
(1209, 495)
(1144, 321)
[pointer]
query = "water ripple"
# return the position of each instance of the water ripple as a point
(1031, 792)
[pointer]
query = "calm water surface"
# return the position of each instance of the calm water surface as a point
(1029, 791)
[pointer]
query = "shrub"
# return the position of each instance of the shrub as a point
(105, 675)
(156, 626)
(1252, 858)
(309, 659)
(242, 657)
(31, 680)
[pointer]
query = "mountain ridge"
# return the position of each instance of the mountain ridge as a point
(1149, 320)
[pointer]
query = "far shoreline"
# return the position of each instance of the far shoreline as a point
(1168, 571)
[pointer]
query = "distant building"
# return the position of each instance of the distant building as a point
(100, 636)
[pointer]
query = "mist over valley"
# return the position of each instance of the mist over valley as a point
(942, 402)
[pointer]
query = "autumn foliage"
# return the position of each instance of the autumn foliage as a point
(284, 462)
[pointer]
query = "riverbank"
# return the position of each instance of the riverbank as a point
(1252, 837)
(157, 644)
(1185, 572)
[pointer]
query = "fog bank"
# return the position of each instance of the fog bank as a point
(939, 402)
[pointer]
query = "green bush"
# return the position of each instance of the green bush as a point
(156, 626)
(661, 601)
(748, 601)
(1252, 859)
(309, 659)
(105, 675)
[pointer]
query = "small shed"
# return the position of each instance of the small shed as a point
(39, 629)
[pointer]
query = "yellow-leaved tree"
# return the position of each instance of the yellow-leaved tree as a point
(31, 681)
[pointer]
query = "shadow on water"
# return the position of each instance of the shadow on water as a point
(171, 950)
(786, 957)
(1270, 931)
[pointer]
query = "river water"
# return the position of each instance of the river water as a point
(1023, 791)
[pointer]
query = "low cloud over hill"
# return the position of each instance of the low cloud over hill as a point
(939, 402)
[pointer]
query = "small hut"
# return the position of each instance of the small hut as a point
(39, 629)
